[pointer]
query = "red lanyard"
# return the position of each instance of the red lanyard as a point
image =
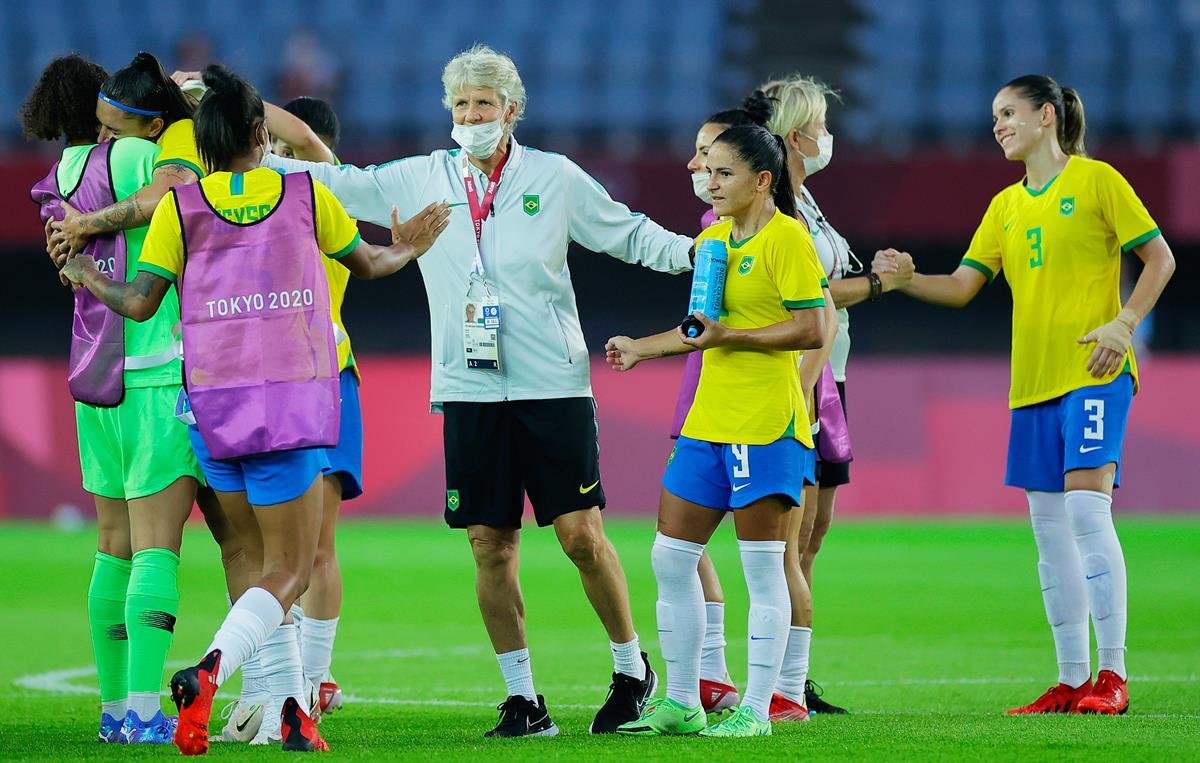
(481, 209)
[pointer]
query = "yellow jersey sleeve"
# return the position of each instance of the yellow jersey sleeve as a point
(177, 145)
(162, 251)
(1123, 210)
(337, 234)
(797, 272)
(986, 249)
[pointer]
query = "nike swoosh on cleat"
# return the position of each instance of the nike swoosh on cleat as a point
(242, 726)
(584, 490)
(688, 718)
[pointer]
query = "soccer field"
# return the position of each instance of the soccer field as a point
(927, 631)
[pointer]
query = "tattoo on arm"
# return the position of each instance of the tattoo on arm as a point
(138, 299)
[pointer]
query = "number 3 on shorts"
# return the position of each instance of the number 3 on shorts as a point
(1095, 411)
(741, 469)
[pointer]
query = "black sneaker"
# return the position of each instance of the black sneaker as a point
(521, 718)
(626, 698)
(816, 705)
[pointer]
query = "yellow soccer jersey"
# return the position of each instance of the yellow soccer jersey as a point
(177, 145)
(751, 396)
(1060, 250)
(338, 276)
(242, 198)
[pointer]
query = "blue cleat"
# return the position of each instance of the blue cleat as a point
(110, 729)
(158, 730)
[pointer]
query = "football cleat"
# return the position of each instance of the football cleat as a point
(815, 704)
(1060, 698)
(192, 690)
(298, 730)
(110, 729)
(330, 696)
(717, 696)
(626, 698)
(663, 716)
(1109, 696)
(785, 710)
(268, 730)
(741, 723)
(158, 730)
(243, 718)
(519, 717)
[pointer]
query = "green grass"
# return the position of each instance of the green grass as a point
(927, 631)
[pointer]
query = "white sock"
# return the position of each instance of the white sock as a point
(680, 610)
(712, 654)
(518, 673)
(794, 672)
(251, 620)
(770, 614)
(116, 709)
(316, 647)
(1061, 576)
(1090, 514)
(145, 703)
(282, 674)
(627, 658)
(254, 685)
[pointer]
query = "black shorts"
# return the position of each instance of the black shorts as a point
(832, 475)
(496, 453)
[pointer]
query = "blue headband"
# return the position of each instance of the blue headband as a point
(130, 109)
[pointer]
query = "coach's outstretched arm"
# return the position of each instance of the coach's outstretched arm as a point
(367, 193)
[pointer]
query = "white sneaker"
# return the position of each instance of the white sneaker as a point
(269, 731)
(243, 718)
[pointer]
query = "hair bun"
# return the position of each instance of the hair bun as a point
(759, 106)
(219, 79)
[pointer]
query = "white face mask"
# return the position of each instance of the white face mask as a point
(480, 141)
(814, 164)
(700, 186)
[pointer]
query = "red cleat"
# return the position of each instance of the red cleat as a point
(1057, 699)
(192, 690)
(1108, 697)
(299, 732)
(716, 696)
(784, 710)
(330, 697)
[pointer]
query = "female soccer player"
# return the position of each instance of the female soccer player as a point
(135, 456)
(255, 313)
(1058, 235)
(800, 106)
(138, 101)
(745, 444)
(717, 691)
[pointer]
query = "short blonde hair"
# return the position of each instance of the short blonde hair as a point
(481, 66)
(799, 102)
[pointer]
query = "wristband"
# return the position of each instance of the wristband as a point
(876, 287)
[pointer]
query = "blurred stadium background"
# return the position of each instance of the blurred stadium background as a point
(621, 87)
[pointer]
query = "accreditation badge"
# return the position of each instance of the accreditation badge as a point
(481, 332)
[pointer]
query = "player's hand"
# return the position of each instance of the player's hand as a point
(56, 259)
(619, 353)
(1112, 342)
(422, 229)
(68, 236)
(903, 273)
(715, 334)
(181, 77)
(76, 268)
(886, 261)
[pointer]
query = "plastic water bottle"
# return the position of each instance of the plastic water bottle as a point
(708, 285)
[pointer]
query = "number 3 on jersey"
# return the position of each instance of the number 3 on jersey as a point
(1034, 237)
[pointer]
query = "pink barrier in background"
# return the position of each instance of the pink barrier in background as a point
(929, 435)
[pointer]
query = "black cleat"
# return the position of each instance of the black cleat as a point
(626, 699)
(521, 718)
(816, 705)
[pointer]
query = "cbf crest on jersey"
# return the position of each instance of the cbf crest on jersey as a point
(1066, 206)
(746, 265)
(531, 203)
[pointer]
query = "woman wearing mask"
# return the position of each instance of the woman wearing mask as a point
(271, 300)
(135, 456)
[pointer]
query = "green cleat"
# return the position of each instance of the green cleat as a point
(665, 716)
(742, 723)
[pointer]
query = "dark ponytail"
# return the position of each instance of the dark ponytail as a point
(755, 110)
(227, 119)
(144, 85)
(1068, 109)
(63, 102)
(763, 151)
